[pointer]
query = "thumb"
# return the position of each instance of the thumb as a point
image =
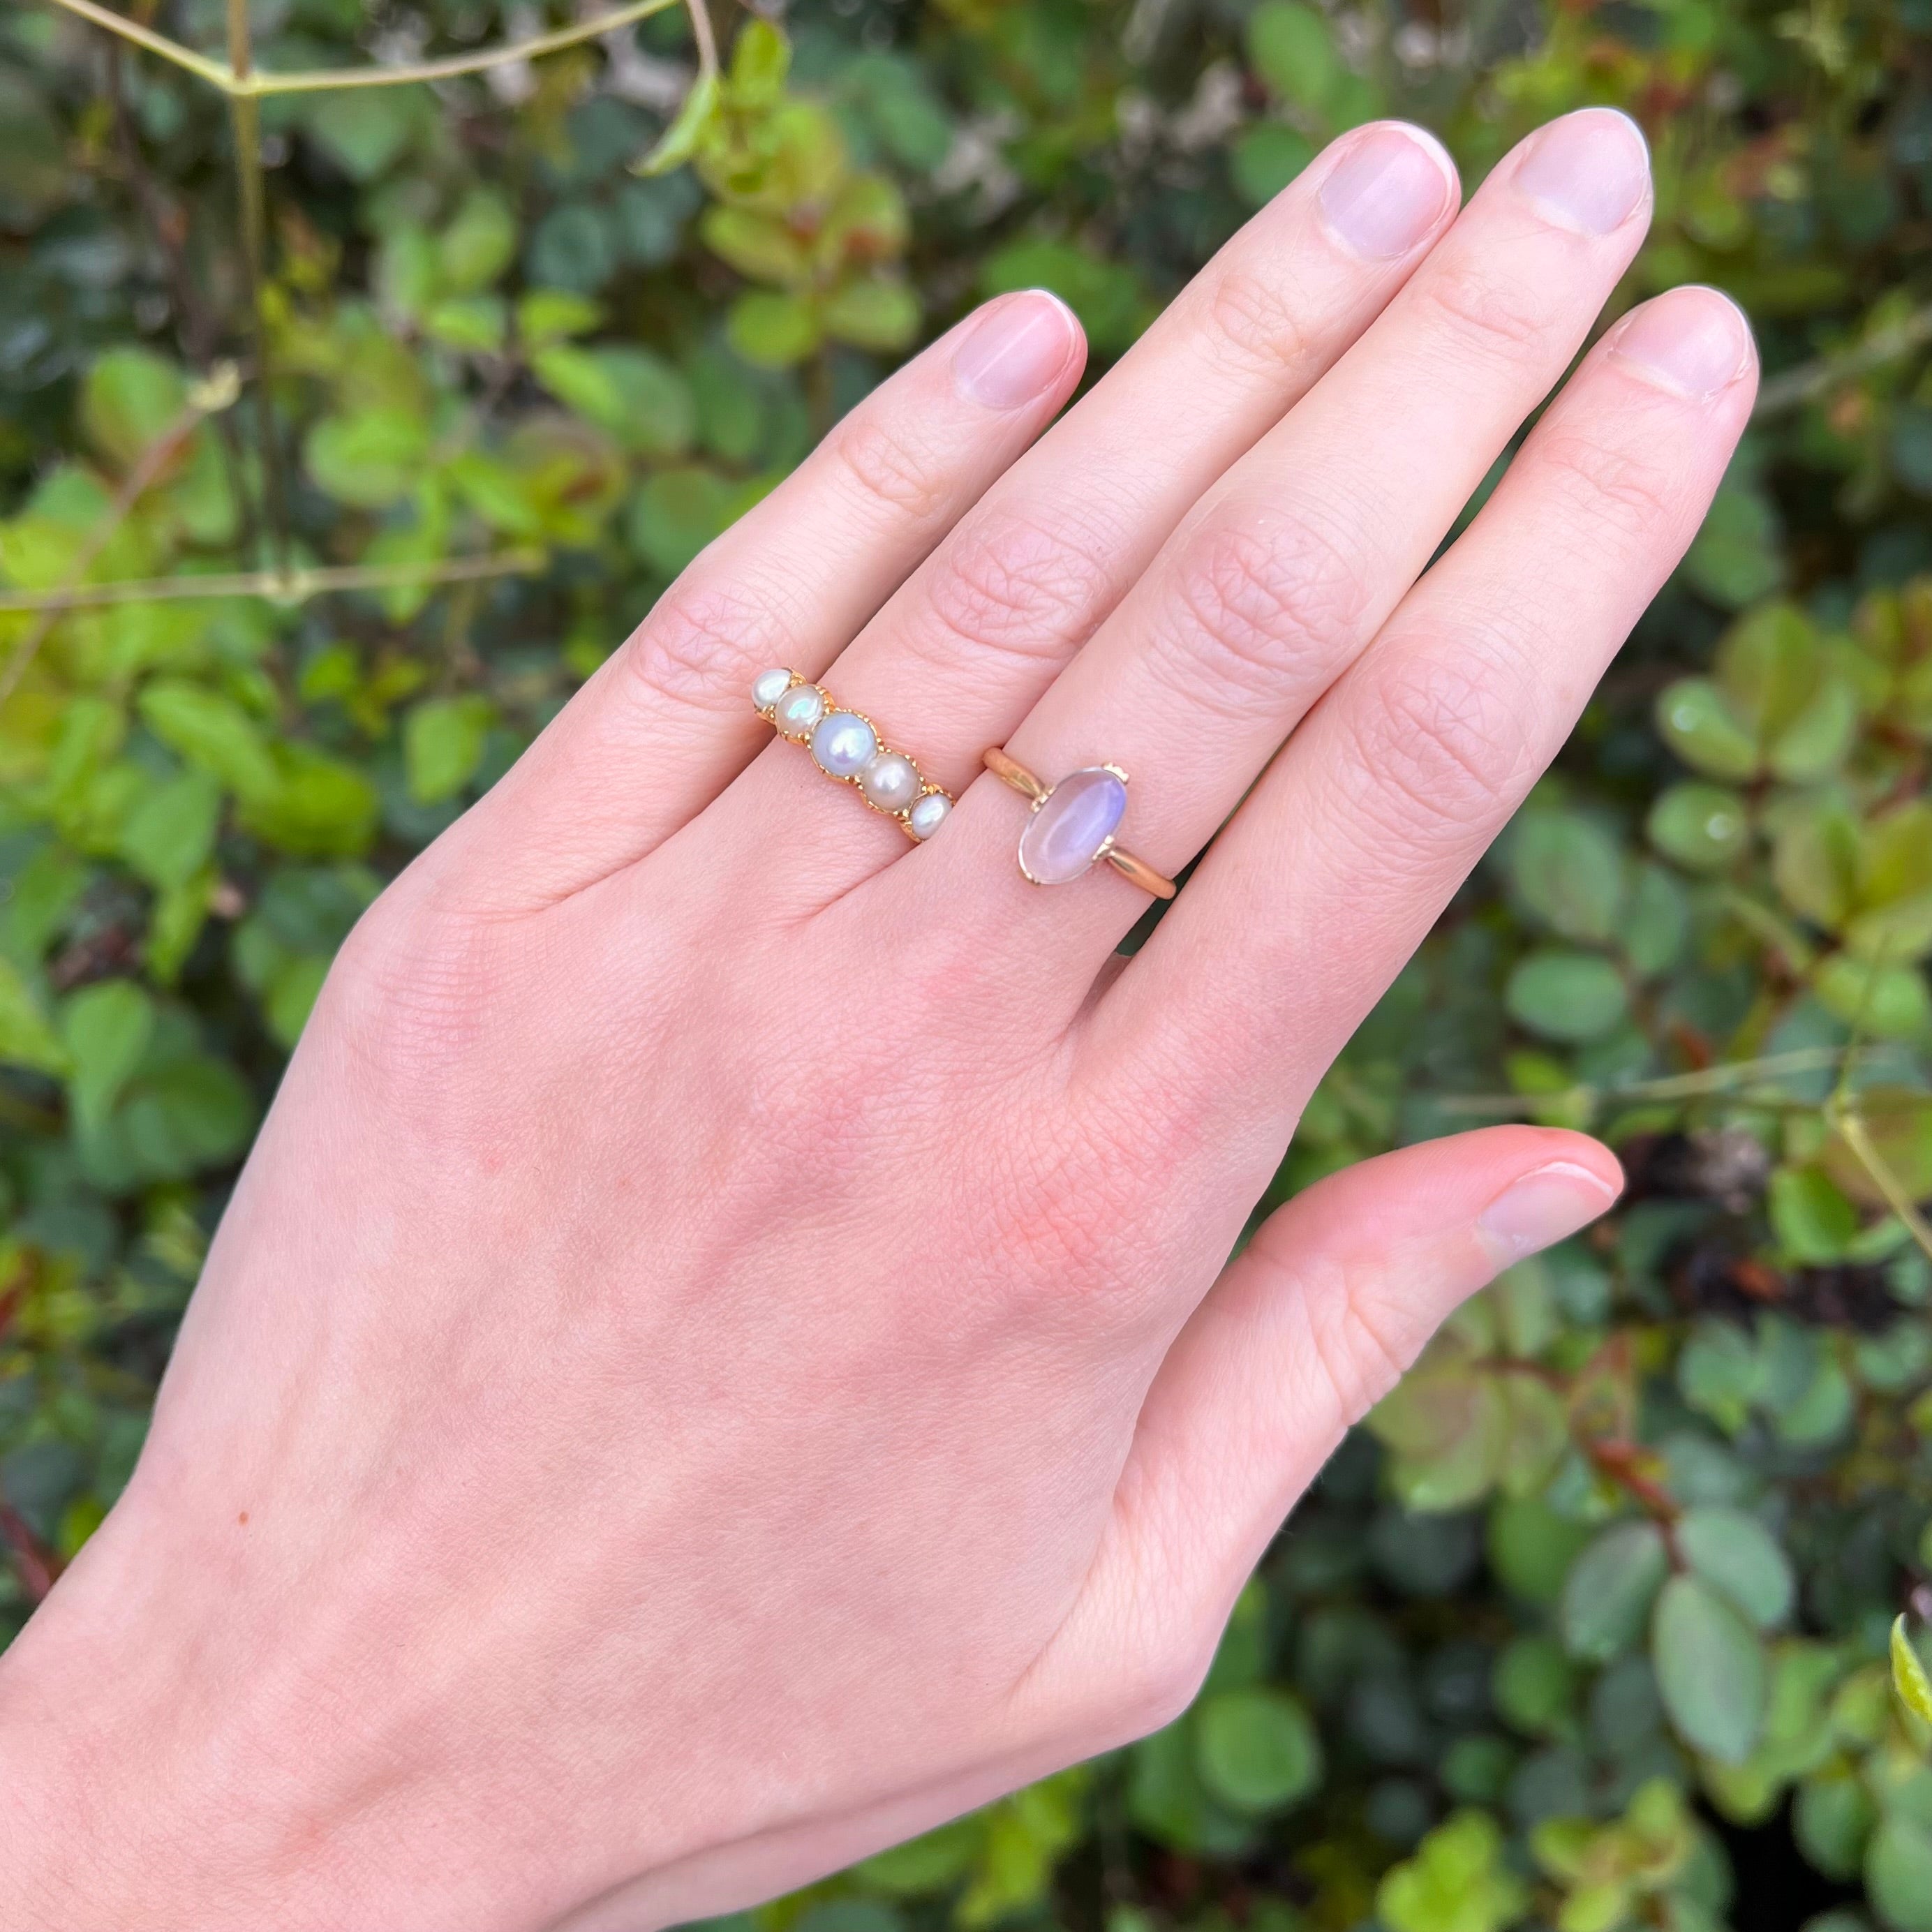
(1313, 1323)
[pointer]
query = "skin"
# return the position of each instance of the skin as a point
(721, 1357)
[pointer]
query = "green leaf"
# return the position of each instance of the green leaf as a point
(1565, 995)
(545, 316)
(1265, 158)
(638, 397)
(105, 1028)
(689, 127)
(1711, 1670)
(1456, 1882)
(1610, 1589)
(1535, 1687)
(443, 744)
(1293, 50)
(1569, 872)
(26, 1037)
(1736, 1554)
(364, 130)
(1698, 725)
(1702, 827)
(168, 836)
(473, 324)
(1735, 557)
(1258, 1750)
(369, 459)
(772, 331)
(212, 733)
(478, 244)
(1888, 1002)
(1898, 1874)
(760, 60)
(1814, 1223)
(878, 312)
(131, 398)
(1908, 1677)
(677, 513)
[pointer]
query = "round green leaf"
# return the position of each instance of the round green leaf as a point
(1258, 1750)
(1711, 1668)
(1702, 827)
(1698, 725)
(1898, 1873)
(1737, 1554)
(1567, 996)
(1610, 1589)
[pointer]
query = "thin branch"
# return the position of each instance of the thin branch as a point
(244, 117)
(1810, 380)
(1720, 1078)
(217, 73)
(290, 586)
(250, 83)
(216, 393)
(1851, 1130)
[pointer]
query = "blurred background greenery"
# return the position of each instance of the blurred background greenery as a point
(1587, 1627)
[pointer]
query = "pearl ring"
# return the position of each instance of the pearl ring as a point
(845, 746)
(1072, 825)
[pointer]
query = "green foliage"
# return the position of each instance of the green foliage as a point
(1625, 1554)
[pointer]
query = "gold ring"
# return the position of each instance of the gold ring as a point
(1073, 824)
(845, 744)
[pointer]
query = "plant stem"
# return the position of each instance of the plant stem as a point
(244, 117)
(281, 586)
(239, 79)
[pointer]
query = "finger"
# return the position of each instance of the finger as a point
(1333, 870)
(1287, 567)
(665, 722)
(1307, 1329)
(982, 627)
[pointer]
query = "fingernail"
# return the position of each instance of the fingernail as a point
(1387, 192)
(1015, 350)
(1694, 340)
(1587, 170)
(1543, 1207)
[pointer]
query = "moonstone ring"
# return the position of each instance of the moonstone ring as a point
(845, 746)
(1072, 825)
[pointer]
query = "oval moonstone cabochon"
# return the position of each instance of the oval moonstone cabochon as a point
(1065, 834)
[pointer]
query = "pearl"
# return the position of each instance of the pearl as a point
(890, 781)
(929, 814)
(799, 710)
(842, 744)
(1064, 835)
(769, 686)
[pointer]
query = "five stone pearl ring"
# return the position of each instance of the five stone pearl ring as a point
(845, 746)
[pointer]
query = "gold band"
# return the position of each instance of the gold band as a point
(1010, 772)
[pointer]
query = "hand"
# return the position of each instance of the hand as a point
(716, 1362)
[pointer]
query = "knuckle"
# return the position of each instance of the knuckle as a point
(1253, 319)
(1441, 746)
(891, 470)
(700, 643)
(1482, 313)
(1260, 602)
(1630, 493)
(1011, 586)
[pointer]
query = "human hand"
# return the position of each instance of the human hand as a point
(715, 1363)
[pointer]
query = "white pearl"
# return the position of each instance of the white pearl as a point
(799, 710)
(843, 743)
(929, 814)
(769, 686)
(890, 781)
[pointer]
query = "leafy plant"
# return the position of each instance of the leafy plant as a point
(346, 430)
